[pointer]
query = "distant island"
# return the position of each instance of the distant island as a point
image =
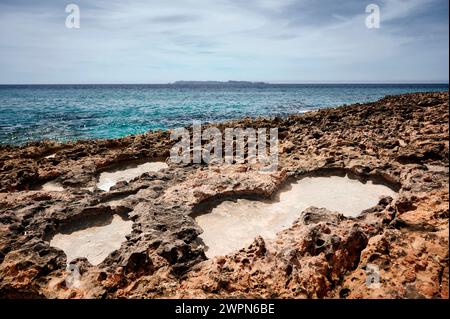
(217, 83)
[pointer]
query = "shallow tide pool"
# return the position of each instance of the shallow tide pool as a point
(233, 225)
(110, 178)
(95, 242)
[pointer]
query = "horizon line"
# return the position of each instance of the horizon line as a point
(249, 82)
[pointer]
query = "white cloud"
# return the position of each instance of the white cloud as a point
(162, 41)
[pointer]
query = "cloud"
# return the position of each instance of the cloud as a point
(176, 18)
(160, 41)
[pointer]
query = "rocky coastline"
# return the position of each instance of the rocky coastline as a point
(399, 141)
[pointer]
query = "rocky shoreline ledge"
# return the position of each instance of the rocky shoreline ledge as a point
(399, 141)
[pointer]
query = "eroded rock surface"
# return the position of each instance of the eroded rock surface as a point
(400, 141)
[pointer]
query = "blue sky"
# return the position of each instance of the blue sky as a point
(280, 41)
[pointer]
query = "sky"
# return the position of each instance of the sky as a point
(277, 41)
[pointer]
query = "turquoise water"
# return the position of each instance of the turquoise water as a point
(72, 112)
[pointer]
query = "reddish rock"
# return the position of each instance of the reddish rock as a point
(401, 141)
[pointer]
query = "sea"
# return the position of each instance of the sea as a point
(72, 112)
